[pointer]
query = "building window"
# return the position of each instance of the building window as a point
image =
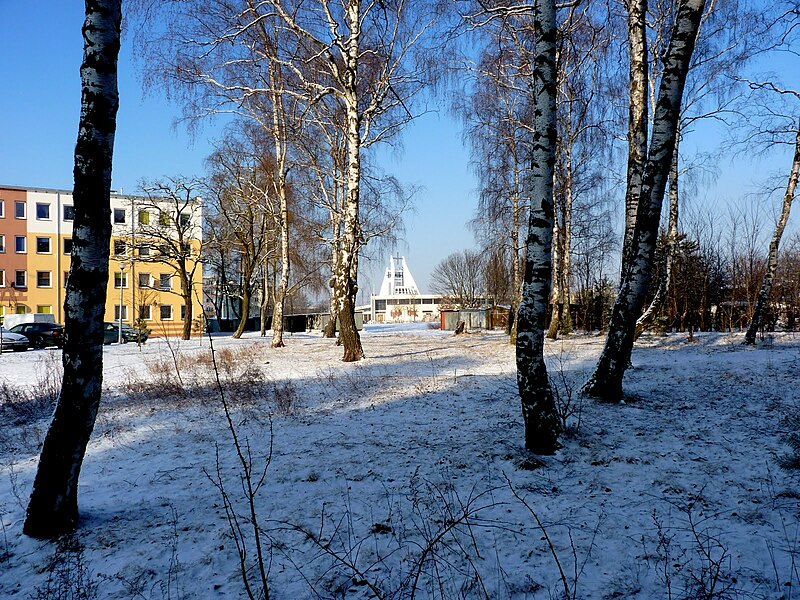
(117, 311)
(145, 312)
(42, 211)
(20, 244)
(119, 216)
(43, 279)
(120, 280)
(166, 312)
(44, 309)
(183, 219)
(2, 244)
(2, 279)
(21, 279)
(2, 209)
(69, 212)
(67, 245)
(120, 247)
(163, 249)
(183, 312)
(43, 245)
(144, 249)
(165, 281)
(163, 218)
(20, 210)
(144, 280)
(144, 217)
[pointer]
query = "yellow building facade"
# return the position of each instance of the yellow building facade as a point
(144, 286)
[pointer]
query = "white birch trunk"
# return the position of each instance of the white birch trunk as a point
(662, 291)
(606, 382)
(637, 115)
(772, 264)
(538, 409)
(348, 334)
(279, 134)
(53, 507)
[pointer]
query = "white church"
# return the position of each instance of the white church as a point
(399, 300)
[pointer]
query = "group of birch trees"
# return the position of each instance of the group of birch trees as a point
(313, 86)
(549, 87)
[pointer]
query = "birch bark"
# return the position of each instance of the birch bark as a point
(665, 277)
(53, 507)
(606, 382)
(538, 408)
(637, 115)
(762, 300)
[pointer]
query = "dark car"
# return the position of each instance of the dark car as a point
(12, 341)
(41, 335)
(129, 334)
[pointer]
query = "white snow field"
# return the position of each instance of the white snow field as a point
(403, 475)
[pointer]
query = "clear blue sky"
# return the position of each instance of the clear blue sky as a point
(42, 47)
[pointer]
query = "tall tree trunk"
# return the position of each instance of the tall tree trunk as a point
(565, 320)
(348, 334)
(662, 291)
(265, 296)
(186, 296)
(560, 319)
(283, 285)
(555, 312)
(53, 507)
(637, 115)
(247, 292)
(772, 263)
(516, 271)
(606, 382)
(538, 407)
(279, 134)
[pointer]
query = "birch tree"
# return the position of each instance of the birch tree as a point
(583, 149)
(228, 58)
(729, 36)
(762, 300)
(53, 506)
(362, 54)
(497, 114)
(538, 407)
(637, 259)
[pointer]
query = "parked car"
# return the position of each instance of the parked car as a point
(129, 334)
(12, 341)
(41, 335)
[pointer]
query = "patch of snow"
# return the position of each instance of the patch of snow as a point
(378, 456)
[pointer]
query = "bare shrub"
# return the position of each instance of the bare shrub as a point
(19, 407)
(252, 546)
(569, 404)
(569, 571)
(49, 376)
(284, 397)
(693, 561)
(432, 552)
(68, 576)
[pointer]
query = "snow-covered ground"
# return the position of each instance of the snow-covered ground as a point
(409, 463)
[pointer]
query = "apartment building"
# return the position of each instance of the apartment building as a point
(149, 237)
